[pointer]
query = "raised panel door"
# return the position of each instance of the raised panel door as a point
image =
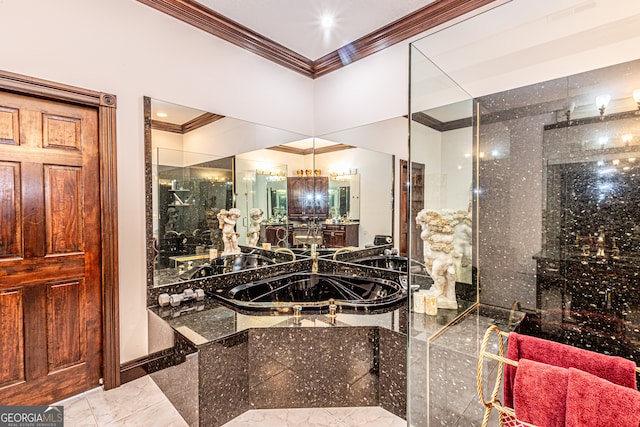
(50, 251)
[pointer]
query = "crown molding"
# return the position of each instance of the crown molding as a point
(206, 19)
(430, 16)
(311, 150)
(200, 121)
(193, 124)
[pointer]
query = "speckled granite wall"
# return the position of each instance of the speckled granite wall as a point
(557, 208)
(289, 367)
(313, 367)
(271, 360)
(224, 379)
(510, 205)
(393, 372)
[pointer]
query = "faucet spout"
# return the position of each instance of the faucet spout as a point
(287, 250)
(314, 259)
(341, 251)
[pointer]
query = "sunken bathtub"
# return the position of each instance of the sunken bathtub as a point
(316, 293)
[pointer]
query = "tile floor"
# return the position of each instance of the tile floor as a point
(140, 403)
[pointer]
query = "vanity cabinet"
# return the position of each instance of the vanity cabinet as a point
(340, 235)
(307, 197)
(279, 235)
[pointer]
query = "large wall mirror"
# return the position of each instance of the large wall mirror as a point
(289, 191)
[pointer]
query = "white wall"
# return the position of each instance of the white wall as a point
(367, 91)
(457, 167)
(130, 50)
(375, 169)
(386, 136)
(426, 148)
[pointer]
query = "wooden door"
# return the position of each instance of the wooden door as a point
(50, 250)
(407, 218)
(404, 204)
(295, 197)
(417, 204)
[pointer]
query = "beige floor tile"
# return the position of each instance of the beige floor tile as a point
(314, 417)
(126, 400)
(373, 416)
(161, 414)
(77, 413)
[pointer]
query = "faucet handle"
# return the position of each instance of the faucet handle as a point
(297, 314)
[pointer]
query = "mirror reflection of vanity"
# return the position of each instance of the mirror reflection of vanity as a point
(203, 163)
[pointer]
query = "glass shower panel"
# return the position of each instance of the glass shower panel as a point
(440, 224)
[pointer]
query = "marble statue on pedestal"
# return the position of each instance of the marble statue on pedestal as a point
(460, 222)
(437, 235)
(255, 219)
(227, 220)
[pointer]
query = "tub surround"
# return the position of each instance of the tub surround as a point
(256, 362)
(275, 360)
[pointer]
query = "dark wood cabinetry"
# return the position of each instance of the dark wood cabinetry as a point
(279, 235)
(307, 197)
(340, 235)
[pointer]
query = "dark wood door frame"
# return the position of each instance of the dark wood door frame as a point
(106, 106)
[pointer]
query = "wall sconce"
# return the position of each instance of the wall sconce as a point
(602, 101)
(636, 97)
(568, 110)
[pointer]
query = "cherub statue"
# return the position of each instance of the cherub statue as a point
(255, 219)
(462, 236)
(172, 220)
(437, 236)
(460, 222)
(227, 220)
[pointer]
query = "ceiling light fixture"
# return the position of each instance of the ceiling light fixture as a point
(161, 114)
(327, 21)
(602, 101)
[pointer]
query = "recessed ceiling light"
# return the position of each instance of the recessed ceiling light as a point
(327, 21)
(161, 114)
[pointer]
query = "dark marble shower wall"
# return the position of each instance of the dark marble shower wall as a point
(268, 368)
(557, 208)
